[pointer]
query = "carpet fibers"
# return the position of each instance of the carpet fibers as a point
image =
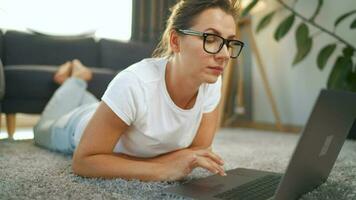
(29, 172)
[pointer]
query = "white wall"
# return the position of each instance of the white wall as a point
(108, 18)
(296, 88)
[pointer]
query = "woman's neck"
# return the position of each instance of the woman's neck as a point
(182, 88)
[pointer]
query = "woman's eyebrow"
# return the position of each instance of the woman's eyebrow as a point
(218, 33)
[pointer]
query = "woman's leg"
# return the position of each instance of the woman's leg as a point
(71, 95)
(67, 97)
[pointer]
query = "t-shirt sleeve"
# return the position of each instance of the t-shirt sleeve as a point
(122, 96)
(212, 96)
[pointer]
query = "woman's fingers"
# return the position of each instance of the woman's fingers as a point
(211, 155)
(207, 163)
(202, 162)
(221, 170)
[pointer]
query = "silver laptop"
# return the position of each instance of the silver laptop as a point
(333, 116)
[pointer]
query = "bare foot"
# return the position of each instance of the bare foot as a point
(64, 71)
(81, 71)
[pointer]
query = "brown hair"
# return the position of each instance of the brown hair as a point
(183, 15)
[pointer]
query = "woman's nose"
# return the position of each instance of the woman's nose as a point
(224, 52)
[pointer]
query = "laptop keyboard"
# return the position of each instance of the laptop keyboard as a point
(261, 188)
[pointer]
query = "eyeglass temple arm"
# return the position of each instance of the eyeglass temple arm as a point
(191, 32)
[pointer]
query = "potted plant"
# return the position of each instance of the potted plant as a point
(343, 73)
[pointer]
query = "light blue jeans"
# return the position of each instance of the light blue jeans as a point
(56, 127)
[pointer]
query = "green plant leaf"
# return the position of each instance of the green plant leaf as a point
(302, 32)
(265, 21)
(343, 17)
(304, 43)
(338, 78)
(249, 8)
(317, 10)
(353, 24)
(348, 51)
(303, 51)
(284, 27)
(324, 55)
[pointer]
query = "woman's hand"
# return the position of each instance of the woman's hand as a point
(178, 164)
(210, 161)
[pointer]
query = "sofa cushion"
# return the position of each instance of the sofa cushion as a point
(36, 82)
(28, 88)
(29, 81)
(100, 81)
(29, 106)
(119, 55)
(24, 48)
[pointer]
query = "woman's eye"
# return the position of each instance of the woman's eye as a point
(210, 39)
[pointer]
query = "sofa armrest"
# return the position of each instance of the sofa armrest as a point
(2, 81)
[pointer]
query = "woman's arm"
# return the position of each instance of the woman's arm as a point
(207, 129)
(94, 155)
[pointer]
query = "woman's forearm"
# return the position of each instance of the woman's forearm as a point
(170, 166)
(114, 166)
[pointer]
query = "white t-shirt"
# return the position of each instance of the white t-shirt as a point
(138, 96)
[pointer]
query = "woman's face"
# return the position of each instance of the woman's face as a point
(198, 64)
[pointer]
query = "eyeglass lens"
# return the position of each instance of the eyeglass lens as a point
(213, 44)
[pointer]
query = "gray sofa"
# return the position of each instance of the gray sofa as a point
(30, 60)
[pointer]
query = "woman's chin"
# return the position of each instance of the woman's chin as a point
(211, 79)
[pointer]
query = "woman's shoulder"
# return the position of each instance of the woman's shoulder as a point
(148, 70)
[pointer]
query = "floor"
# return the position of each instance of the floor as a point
(21, 134)
(30, 172)
(24, 124)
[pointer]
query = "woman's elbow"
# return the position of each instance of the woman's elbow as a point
(76, 167)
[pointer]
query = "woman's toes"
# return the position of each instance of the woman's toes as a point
(81, 71)
(63, 72)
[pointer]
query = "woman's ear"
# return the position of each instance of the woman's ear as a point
(174, 41)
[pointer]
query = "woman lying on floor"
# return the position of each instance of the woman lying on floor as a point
(158, 117)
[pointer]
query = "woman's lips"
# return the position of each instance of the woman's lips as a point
(217, 70)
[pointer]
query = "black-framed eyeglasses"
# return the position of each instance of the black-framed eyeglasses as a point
(214, 43)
